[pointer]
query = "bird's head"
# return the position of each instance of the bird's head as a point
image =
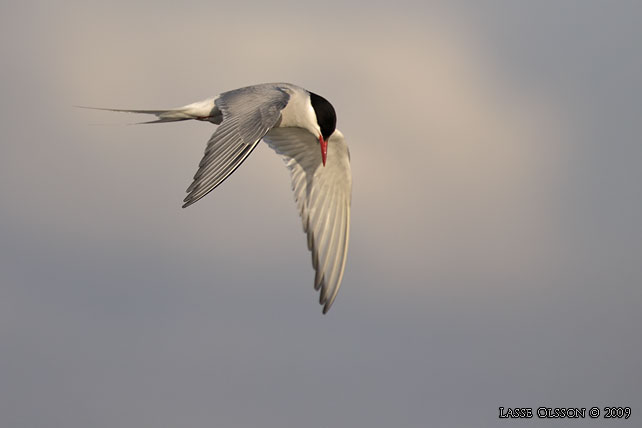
(326, 119)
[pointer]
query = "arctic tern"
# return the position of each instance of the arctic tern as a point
(300, 126)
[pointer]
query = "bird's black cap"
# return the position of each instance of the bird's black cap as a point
(326, 116)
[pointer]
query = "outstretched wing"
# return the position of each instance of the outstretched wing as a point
(323, 198)
(248, 114)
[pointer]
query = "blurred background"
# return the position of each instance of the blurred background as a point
(496, 247)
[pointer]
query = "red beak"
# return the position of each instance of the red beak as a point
(324, 148)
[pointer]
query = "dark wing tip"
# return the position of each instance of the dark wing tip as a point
(190, 199)
(327, 307)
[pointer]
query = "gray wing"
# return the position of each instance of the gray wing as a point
(248, 114)
(323, 197)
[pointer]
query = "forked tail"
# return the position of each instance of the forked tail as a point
(201, 110)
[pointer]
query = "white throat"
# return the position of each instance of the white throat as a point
(299, 113)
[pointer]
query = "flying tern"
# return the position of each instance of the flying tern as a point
(300, 126)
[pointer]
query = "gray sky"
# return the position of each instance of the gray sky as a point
(496, 245)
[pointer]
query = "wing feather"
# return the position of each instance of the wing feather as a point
(323, 197)
(248, 114)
